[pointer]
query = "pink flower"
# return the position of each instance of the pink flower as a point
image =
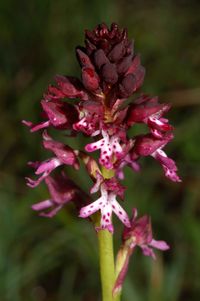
(44, 168)
(109, 147)
(96, 106)
(149, 145)
(107, 204)
(147, 110)
(90, 117)
(64, 155)
(140, 234)
(59, 114)
(62, 191)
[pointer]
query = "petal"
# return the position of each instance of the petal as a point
(71, 87)
(146, 145)
(33, 183)
(60, 114)
(159, 244)
(106, 150)
(61, 189)
(88, 124)
(48, 166)
(168, 165)
(52, 212)
(99, 181)
(91, 147)
(117, 149)
(106, 218)
(36, 127)
(148, 251)
(92, 208)
(159, 124)
(42, 205)
(119, 211)
(45, 167)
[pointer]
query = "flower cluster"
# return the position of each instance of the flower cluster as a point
(111, 72)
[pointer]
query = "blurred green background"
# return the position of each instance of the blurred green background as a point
(57, 259)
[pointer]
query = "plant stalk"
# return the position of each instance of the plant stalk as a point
(106, 256)
(107, 268)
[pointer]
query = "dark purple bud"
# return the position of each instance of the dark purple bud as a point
(117, 52)
(139, 77)
(134, 65)
(130, 48)
(124, 64)
(113, 30)
(89, 47)
(84, 59)
(90, 79)
(100, 58)
(109, 73)
(127, 86)
(132, 82)
(101, 30)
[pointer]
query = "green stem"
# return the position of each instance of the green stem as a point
(107, 268)
(106, 256)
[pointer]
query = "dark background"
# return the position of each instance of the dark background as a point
(57, 259)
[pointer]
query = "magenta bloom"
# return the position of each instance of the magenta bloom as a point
(62, 191)
(107, 203)
(94, 105)
(64, 155)
(140, 234)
